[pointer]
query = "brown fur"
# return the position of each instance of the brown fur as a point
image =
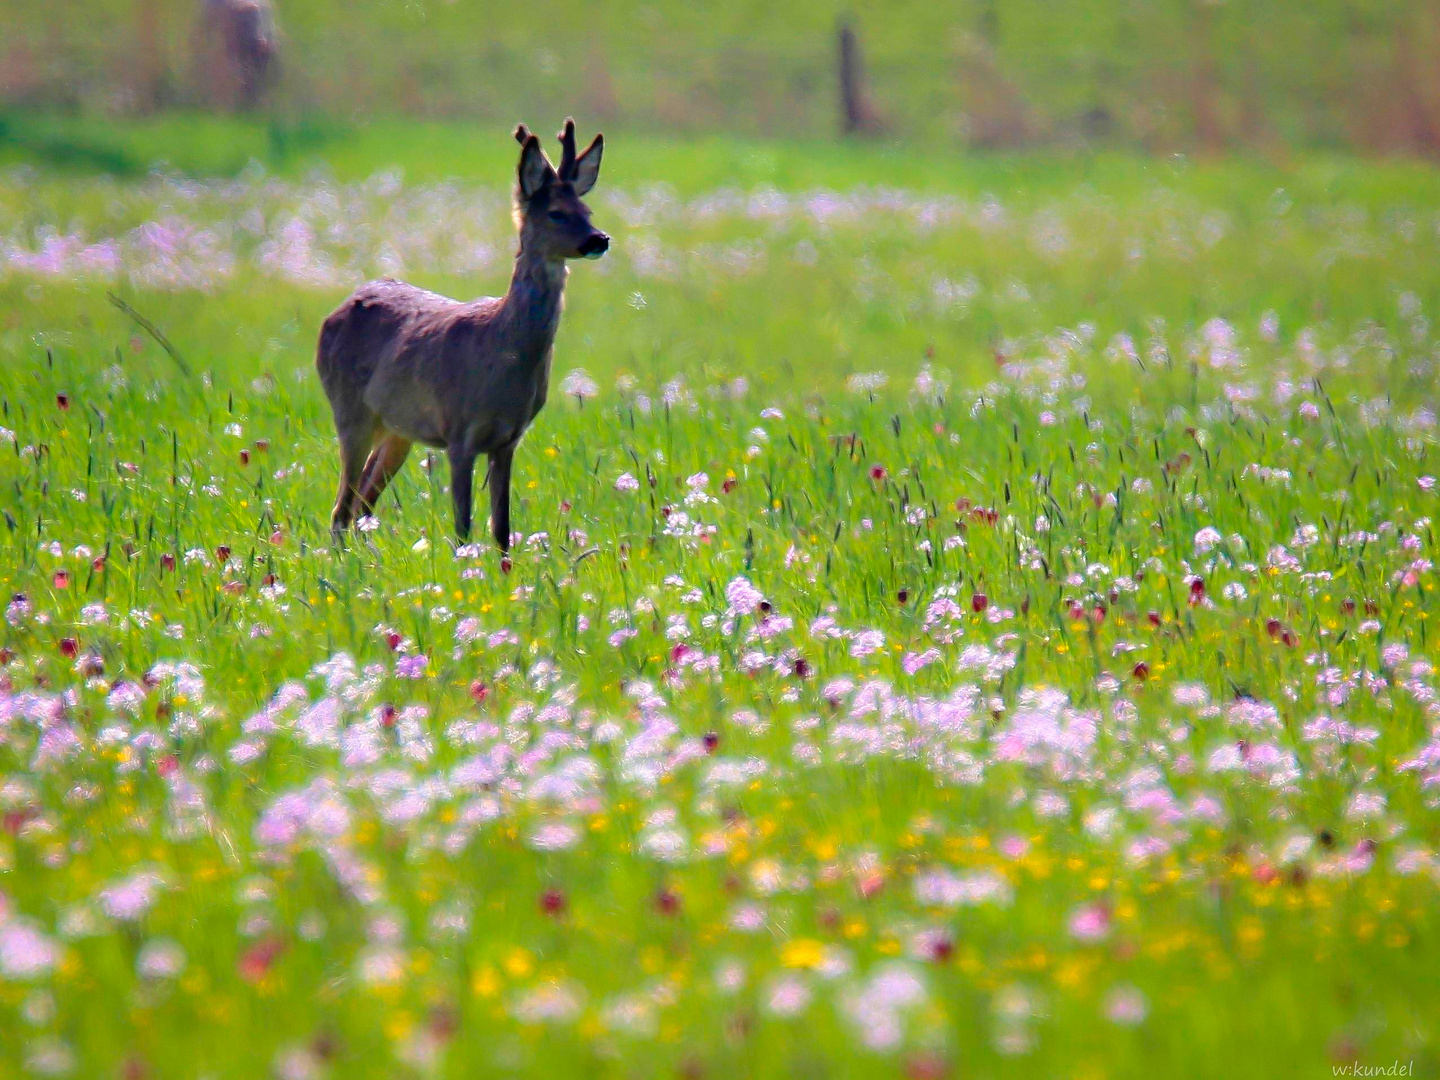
(402, 365)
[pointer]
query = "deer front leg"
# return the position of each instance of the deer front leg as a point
(462, 473)
(500, 495)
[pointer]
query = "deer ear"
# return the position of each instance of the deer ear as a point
(587, 166)
(535, 169)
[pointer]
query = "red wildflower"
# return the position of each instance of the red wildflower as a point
(444, 1022)
(938, 948)
(256, 961)
(926, 1065)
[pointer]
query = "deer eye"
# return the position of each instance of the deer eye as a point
(559, 216)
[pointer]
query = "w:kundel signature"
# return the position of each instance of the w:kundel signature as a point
(1356, 1069)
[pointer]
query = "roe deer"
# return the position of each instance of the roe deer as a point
(402, 365)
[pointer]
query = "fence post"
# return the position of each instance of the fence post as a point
(857, 116)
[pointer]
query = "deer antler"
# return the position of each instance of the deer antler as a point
(567, 150)
(521, 133)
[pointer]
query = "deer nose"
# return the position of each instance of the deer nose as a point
(595, 245)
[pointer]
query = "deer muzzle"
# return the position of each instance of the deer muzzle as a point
(594, 245)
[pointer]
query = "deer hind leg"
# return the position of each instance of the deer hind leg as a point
(355, 443)
(385, 461)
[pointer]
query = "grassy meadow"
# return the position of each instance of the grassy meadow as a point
(1164, 74)
(972, 619)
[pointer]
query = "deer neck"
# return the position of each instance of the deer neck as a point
(532, 305)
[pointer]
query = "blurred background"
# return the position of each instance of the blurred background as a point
(1260, 76)
(822, 187)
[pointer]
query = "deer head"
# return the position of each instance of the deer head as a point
(553, 222)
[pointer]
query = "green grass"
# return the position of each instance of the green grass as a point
(1273, 917)
(205, 145)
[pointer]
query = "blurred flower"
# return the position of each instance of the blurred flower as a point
(25, 953)
(1125, 1005)
(787, 995)
(160, 958)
